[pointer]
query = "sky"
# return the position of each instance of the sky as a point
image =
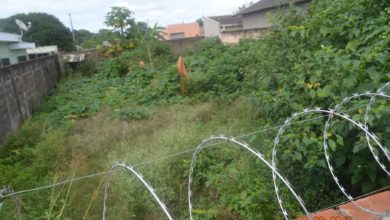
(90, 14)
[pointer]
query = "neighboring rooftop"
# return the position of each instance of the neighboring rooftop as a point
(267, 4)
(41, 50)
(378, 203)
(227, 19)
(7, 37)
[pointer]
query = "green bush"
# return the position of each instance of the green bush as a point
(114, 67)
(160, 54)
(310, 59)
(86, 67)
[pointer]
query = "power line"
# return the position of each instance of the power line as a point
(237, 137)
(147, 162)
(57, 184)
(220, 142)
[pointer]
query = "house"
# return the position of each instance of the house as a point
(37, 52)
(227, 28)
(13, 49)
(250, 22)
(182, 31)
(255, 16)
(213, 26)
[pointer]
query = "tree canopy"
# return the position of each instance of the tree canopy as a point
(142, 32)
(83, 35)
(46, 30)
(120, 19)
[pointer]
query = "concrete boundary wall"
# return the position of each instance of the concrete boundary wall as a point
(178, 46)
(23, 87)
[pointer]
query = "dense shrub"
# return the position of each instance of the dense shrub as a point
(160, 58)
(336, 49)
(310, 59)
(86, 67)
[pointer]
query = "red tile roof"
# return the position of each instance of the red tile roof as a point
(379, 203)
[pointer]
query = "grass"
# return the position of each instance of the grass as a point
(94, 144)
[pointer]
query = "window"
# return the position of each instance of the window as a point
(179, 35)
(22, 58)
(32, 56)
(43, 54)
(5, 62)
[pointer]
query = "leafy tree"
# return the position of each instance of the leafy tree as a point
(155, 32)
(46, 30)
(105, 34)
(146, 33)
(120, 18)
(130, 31)
(2, 23)
(142, 26)
(83, 35)
(200, 21)
(136, 31)
(97, 39)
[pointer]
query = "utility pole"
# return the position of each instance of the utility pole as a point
(71, 27)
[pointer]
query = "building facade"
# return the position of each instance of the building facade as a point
(256, 15)
(215, 25)
(182, 31)
(251, 22)
(13, 49)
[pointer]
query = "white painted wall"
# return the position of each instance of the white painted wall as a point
(260, 19)
(211, 27)
(256, 20)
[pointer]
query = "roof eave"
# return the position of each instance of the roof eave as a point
(9, 38)
(21, 45)
(243, 12)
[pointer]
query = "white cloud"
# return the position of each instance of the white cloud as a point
(180, 11)
(156, 13)
(90, 14)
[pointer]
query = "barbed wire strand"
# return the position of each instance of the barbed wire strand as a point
(57, 184)
(258, 155)
(7, 190)
(130, 168)
(17, 206)
(165, 157)
(333, 112)
(306, 112)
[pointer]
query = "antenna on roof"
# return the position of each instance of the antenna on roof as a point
(22, 26)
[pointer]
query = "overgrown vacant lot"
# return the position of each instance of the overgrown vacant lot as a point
(126, 112)
(94, 144)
